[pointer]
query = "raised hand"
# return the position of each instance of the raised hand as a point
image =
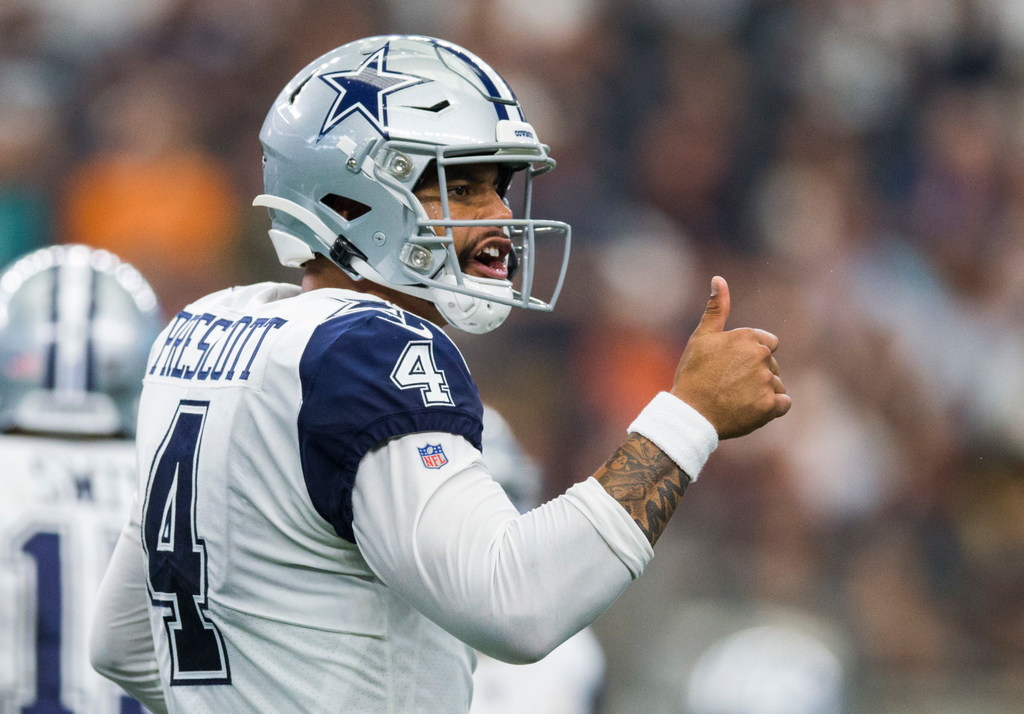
(730, 376)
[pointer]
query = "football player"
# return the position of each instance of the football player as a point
(318, 527)
(75, 328)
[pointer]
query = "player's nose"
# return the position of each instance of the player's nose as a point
(495, 207)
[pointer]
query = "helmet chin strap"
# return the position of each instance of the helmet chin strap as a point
(470, 313)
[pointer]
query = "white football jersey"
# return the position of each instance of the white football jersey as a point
(258, 405)
(62, 503)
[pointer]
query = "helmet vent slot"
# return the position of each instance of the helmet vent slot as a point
(294, 94)
(443, 104)
(348, 208)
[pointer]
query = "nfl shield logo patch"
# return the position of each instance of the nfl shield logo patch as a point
(433, 456)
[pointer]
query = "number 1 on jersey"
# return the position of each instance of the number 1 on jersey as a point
(177, 555)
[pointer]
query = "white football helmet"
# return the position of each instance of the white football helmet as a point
(76, 325)
(360, 126)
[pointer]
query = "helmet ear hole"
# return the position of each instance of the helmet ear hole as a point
(348, 208)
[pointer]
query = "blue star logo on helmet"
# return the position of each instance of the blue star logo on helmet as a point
(365, 90)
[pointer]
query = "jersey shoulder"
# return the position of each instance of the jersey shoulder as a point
(244, 298)
(369, 373)
(375, 362)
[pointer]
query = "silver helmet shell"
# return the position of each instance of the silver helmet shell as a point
(76, 326)
(363, 123)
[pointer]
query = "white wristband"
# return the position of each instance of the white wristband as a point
(679, 430)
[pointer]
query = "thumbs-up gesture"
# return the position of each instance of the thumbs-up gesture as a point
(730, 377)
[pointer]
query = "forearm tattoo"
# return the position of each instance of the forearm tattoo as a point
(646, 482)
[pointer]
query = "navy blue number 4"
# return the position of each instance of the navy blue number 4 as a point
(177, 555)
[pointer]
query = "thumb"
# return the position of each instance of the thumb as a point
(717, 311)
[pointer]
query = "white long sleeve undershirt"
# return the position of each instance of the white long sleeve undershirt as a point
(450, 542)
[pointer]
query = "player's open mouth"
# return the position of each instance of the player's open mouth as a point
(491, 259)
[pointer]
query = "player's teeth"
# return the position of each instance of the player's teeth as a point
(491, 251)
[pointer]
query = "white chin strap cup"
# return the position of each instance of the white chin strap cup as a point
(470, 313)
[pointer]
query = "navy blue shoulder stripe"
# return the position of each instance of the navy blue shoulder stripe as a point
(351, 401)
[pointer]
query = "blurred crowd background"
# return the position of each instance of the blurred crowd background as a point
(854, 168)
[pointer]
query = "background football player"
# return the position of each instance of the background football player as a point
(75, 327)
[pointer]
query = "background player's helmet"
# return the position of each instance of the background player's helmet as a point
(359, 127)
(508, 464)
(76, 325)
